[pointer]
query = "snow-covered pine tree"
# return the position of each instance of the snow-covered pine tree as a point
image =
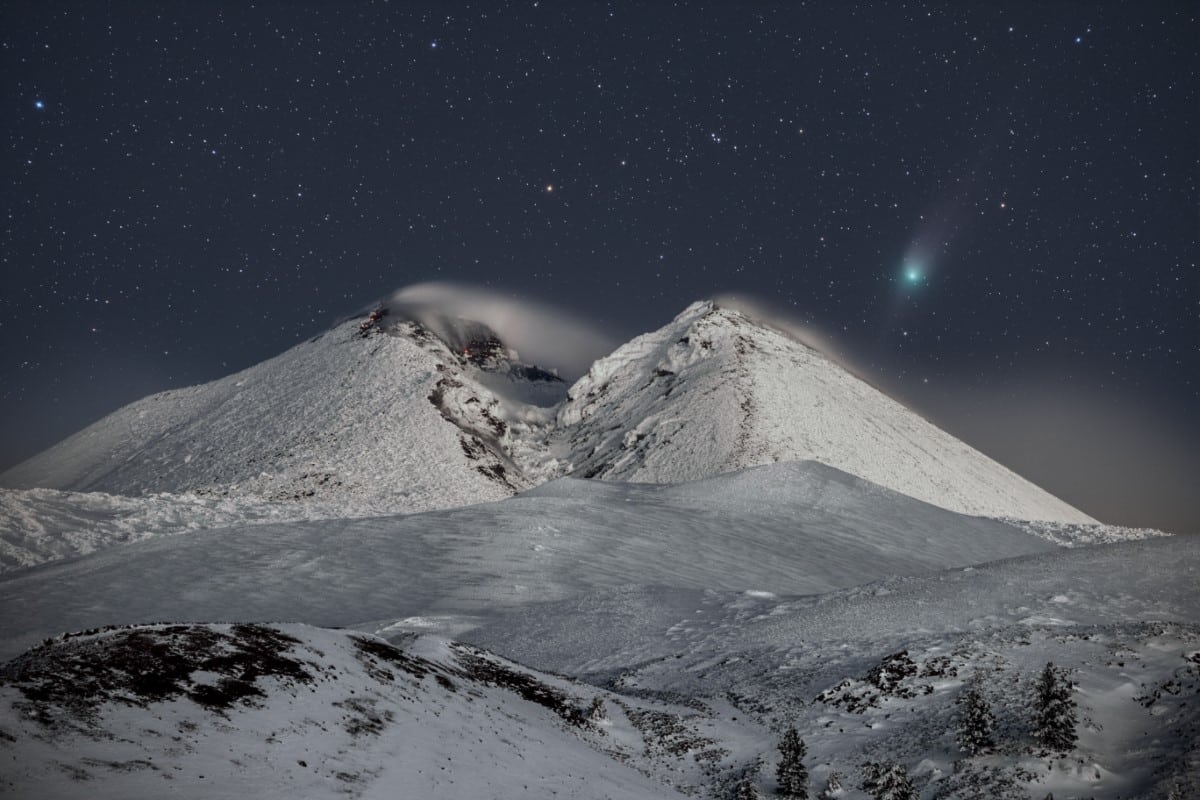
(1054, 723)
(792, 775)
(887, 782)
(833, 787)
(975, 722)
(746, 790)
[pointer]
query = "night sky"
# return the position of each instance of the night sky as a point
(991, 208)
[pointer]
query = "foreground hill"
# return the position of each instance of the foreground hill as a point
(385, 414)
(292, 711)
(784, 528)
(688, 699)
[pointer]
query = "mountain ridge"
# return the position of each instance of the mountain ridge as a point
(407, 416)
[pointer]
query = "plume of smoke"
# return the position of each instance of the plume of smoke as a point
(542, 335)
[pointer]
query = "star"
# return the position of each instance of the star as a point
(39, 104)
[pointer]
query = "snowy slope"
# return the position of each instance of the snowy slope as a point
(873, 673)
(292, 711)
(40, 525)
(783, 528)
(696, 693)
(378, 419)
(1065, 589)
(714, 392)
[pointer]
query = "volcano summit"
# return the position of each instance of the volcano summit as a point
(411, 415)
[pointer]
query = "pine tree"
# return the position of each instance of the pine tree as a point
(887, 782)
(833, 787)
(597, 712)
(792, 775)
(1054, 724)
(976, 722)
(746, 790)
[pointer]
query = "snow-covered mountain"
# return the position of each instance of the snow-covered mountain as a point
(377, 414)
(584, 638)
(388, 414)
(714, 391)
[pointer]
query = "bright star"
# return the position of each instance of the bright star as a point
(39, 104)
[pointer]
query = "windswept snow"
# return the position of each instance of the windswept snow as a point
(1066, 589)
(695, 693)
(784, 528)
(40, 525)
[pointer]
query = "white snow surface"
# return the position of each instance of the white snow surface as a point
(426, 723)
(40, 525)
(343, 416)
(1120, 618)
(394, 419)
(706, 617)
(698, 684)
(797, 528)
(715, 391)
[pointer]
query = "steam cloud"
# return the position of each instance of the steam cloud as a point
(1086, 449)
(541, 335)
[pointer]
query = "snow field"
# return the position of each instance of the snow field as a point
(562, 540)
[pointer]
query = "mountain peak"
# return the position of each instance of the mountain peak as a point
(408, 410)
(720, 389)
(716, 312)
